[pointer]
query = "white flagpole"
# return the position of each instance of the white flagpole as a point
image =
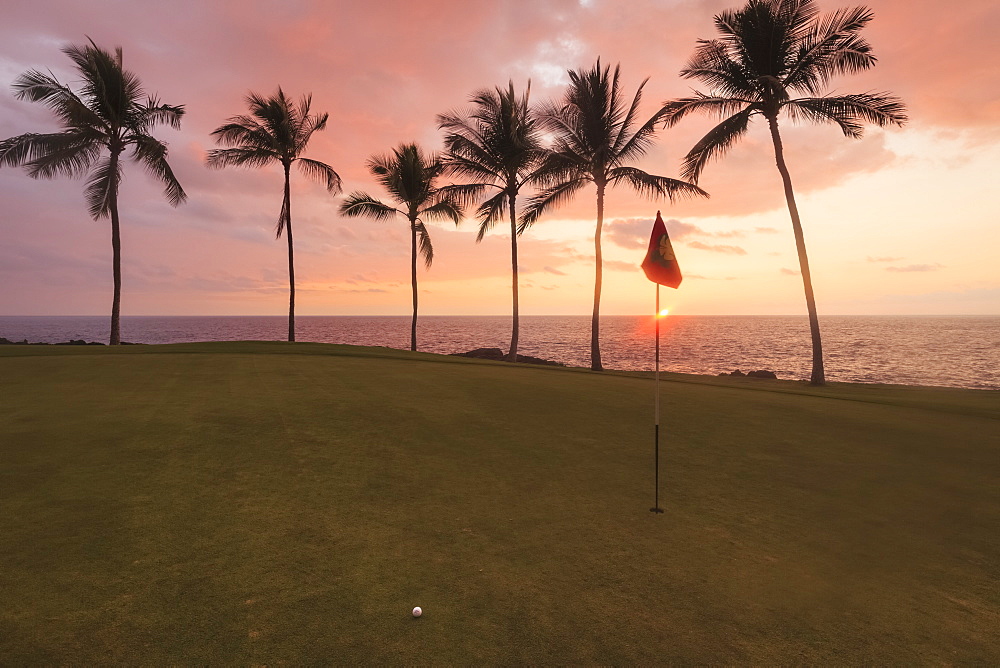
(656, 412)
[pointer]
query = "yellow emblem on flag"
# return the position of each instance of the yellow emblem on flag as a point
(666, 250)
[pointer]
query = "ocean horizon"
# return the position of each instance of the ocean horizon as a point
(951, 351)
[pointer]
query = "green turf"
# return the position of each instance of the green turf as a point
(290, 503)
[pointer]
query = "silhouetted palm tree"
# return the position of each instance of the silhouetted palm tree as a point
(109, 115)
(497, 145)
(768, 51)
(278, 130)
(409, 177)
(594, 143)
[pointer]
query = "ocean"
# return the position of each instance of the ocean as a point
(952, 351)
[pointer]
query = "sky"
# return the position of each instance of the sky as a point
(902, 221)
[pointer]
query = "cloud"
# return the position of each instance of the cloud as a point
(553, 270)
(360, 278)
(789, 272)
(634, 232)
(883, 259)
(717, 248)
(392, 95)
(916, 267)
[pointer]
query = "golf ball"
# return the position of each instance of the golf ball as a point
(417, 611)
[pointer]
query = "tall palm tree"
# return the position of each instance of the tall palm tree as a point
(497, 146)
(108, 116)
(595, 143)
(277, 130)
(769, 51)
(409, 176)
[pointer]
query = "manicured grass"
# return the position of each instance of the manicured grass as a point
(290, 503)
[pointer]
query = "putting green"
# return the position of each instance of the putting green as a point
(265, 503)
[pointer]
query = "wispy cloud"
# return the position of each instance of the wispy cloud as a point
(765, 230)
(360, 278)
(717, 248)
(553, 270)
(916, 267)
(634, 232)
(789, 272)
(884, 259)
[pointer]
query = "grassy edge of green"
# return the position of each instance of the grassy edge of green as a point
(972, 402)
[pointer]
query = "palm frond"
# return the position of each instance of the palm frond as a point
(465, 193)
(550, 198)
(112, 91)
(152, 153)
(102, 188)
(321, 172)
(244, 132)
(69, 154)
(359, 204)
(715, 143)
(68, 107)
(284, 215)
(650, 185)
(424, 239)
(675, 110)
(307, 126)
(714, 64)
(832, 46)
(463, 161)
(46, 155)
(490, 212)
(636, 146)
(444, 209)
(848, 111)
(626, 122)
(240, 157)
(155, 113)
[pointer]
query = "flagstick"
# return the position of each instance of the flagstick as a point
(656, 413)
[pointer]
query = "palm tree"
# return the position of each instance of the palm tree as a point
(277, 130)
(594, 143)
(107, 117)
(497, 146)
(767, 52)
(409, 177)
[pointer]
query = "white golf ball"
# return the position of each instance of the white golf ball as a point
(417, 611)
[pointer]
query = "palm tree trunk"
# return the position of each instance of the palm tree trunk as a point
(595, 324)
(116, 254)
(413, 282)
(291, 257)
(818, 377)
(512, 354)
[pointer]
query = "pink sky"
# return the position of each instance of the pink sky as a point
(902, 221)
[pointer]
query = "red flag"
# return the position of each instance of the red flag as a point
(660, 264)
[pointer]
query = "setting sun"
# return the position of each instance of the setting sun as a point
(665, 312)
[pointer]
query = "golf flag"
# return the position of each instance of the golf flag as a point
(660, 264)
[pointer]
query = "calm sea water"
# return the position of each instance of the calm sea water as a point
(951, 351)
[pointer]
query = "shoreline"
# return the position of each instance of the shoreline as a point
(751, 379)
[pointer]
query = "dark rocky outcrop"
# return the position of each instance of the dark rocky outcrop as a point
(762, 373)
(71, 342)
(497, 354)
